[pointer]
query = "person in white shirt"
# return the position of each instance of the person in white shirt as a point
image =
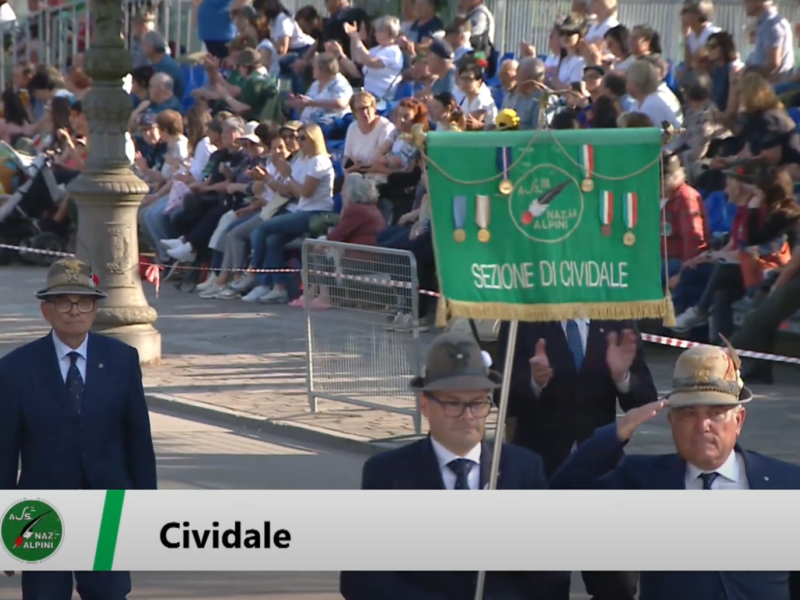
(458, 36)
(366, 136)
(643, 85)
(328, 97)
(310, 180)
(474, 97)
(570, 67)
(382, 64)
(285, 33)
(664, 92)
(618, 40)
(696, 19)
(605, 17)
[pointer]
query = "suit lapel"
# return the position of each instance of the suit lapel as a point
(487, 452)
(674, 474)
(93, 370)
(50, 370)
(558, 338)
(754, 469)
(430, 476)
(595, 343)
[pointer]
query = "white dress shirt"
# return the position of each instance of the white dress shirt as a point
(733, 475)
(62, 352)
(444, 456)
(623, 386)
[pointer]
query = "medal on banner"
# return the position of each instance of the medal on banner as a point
(482, 215)
(503, 165)
(459, 216)
(630, 214)
(587, 163)
(606, 212)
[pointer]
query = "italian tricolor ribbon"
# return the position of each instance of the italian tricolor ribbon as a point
(587, 160)
(606, 208)
(630, 210)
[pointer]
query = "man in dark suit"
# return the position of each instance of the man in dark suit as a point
(73, 410)
(455, 397)
(706, 415)
(566, 380)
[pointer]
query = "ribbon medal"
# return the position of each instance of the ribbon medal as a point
(482, 215)
(606, 212)
(630, 214)
(587, 164)
(503, 165)
(459, 216)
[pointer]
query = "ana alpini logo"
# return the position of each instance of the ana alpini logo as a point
(32, 531)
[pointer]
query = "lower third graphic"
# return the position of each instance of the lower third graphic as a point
(32, 531)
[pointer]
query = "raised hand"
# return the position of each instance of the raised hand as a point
(635, 417)
(620, 353)
(541, 371)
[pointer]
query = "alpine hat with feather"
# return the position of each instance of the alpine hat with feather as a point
(456, 363)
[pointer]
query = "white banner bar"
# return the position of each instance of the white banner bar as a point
(187, 530)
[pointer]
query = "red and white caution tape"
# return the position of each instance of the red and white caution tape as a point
(676, 343)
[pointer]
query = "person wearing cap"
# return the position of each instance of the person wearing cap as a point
(440, 65)
(454, 395)
(147, 139)
(256, 87)
(155, 49)
(763, 232)
(705, 412)
(74, 417)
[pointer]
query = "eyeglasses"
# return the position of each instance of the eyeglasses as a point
(455, 409)
(64, 306)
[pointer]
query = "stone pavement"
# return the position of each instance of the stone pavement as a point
(247, 364)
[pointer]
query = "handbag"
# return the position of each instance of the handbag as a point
(273, 206)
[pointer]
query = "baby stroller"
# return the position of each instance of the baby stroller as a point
(23, 213)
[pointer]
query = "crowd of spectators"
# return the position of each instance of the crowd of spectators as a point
(298, 125)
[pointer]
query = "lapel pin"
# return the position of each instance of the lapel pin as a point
(100, 366)
(766, 478)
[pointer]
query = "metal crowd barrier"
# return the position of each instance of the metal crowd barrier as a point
(355, 354)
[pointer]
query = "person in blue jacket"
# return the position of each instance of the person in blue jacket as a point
(706, 413)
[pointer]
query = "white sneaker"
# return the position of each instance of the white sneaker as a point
(210, 282)
(170, 244)
(256, 293)
(275, 296)
(689, 319)
(245, 284)
(229, 294)
(212, 292)
(183, 253)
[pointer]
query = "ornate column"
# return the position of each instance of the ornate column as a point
(108, 193)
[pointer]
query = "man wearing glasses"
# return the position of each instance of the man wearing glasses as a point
(73, 410)
(455, 396)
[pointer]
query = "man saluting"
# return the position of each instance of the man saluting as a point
(706, 414)
(73, 410)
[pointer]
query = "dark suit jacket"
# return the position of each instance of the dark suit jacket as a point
(573, 404)
(594, 466)
(415, 467)
(107, 446)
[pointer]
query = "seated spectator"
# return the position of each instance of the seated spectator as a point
(767, 131)
(565, 119)
(702, 123)
(696, 18)
(764, 231)
(256, 88)
(360, 222)
(142, 22)
(155, 49)
(615, 86)
(265, 205)
(605, 18)
(618, 40)
(645, 41)
(381, 65)
(366, 135)
(604, 113)
(46, 84)
(197, 240)
(425, 27)
(147, 140)
(310, 181)
(329, 96)
(591, 89)
(723, 61)
(170, 127)
(570, 67)
(458, 36)
(772, 55)
(419, 76)
(445, 113)
(634, 119)
(474, 97)
(507, 74)
(161, 97)
(643, 84)
(525, 98)
(554, 54)
(225, 80)
(666, 94)
(440, 65)
(140, 82)
(685, 233)
(78, 82)
(289, 39)
(398, 154)
(399, 236)
(15, 119)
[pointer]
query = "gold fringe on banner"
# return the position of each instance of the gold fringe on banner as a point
(669, 317)
(442, 314)
(612, 311)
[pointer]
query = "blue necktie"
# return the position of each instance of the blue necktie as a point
(75, 381)
(575, 343)
(708, 479)
(461, 467)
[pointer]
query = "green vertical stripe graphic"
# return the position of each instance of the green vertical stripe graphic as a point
(109, 530)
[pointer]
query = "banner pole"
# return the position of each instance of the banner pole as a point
(500, 432)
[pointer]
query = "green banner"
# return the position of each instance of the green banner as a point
(548, 225)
